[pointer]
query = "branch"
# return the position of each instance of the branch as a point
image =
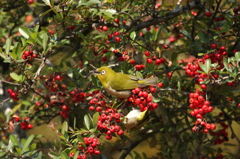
(195, 4)
(130, 148)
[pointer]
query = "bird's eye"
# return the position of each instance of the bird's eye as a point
(103, 72)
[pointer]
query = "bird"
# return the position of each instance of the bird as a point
(120, 84)
(135, 119)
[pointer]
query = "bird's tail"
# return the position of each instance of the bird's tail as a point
(153, 81)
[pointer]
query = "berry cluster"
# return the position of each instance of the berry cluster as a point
(216, 57)
(59, 95)
(142, 98)
(96, 101)
(114, 37)
(28, 56)
(91, 148)
(236, 11)
(200, 107)
(202, 126)
(108, 123)
(13, 94)
(221, 135)
(77, 96)
(24, 124)
(158, 61)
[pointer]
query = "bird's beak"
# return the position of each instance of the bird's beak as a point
(93, 72)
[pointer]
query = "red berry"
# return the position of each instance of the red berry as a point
(91, 108)
(116, 20)
(165, 46)
(97, 152)
(117, 39)
(120, 132)
(133, 62)
(109, 137)
(104, 59)
(149, 60)
(105, 28)
(30, 1)
(213, 46)
(213, 126)
(51, 32)
(116, 33)
(30, 126)
(146, 53)
(208, 14)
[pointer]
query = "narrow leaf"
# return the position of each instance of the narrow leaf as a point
(45, 40)
(15, 76)
(138, 74)
(47, 2)
(133, 35)
(226, 64)
(64, 155)
(24, 32)
(64, 127)
(86, 121)
(237, 56)
(203, 67)
(208, 65)
(8, 45)
(14, 140)
(27, 143)
(95, 119)
(2, 153)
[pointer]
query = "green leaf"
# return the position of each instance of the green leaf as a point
(33, 36)
(80, 139)
(46, 12)
(15, 76)
(225, 63)
(158, 33)
(202, 67)
(237, 56)
(19, 151)
(24, 32)
(64, 155)
(138, 74)
(133, 35)
(186, 33)
(87, 121)
(17, 50)
(208, 65)
(70, 73)
(201, 36)
(8, 45)
(27, 143)
(64, 127)
(14, 140)
(2, 153)
(45, 40)
(95, 119)
(47, 2)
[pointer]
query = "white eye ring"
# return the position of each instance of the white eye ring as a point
(103, 72)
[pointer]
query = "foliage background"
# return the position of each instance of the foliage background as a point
(178, 31)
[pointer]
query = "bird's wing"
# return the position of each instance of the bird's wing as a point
(135, 78)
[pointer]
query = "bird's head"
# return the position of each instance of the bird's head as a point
(104, 74)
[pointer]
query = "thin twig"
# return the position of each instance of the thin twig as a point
(10, 83)
(4, 101)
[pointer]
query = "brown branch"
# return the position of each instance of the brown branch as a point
(16, 84)
(170, 15)
(4, 101)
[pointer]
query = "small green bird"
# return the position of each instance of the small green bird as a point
(119, 84)
(135, 119)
